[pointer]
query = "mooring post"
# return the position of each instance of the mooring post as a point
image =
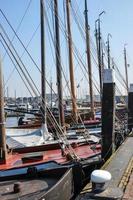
(108, 113)
(130, 108)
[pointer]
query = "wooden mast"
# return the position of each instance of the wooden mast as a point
(43, 71)
(89, 60)
(125, 61)
(58, 66)
(71, 68)
(3, 152)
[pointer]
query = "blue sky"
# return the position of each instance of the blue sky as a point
(118, 21)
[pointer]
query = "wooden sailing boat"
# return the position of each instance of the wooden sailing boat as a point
(16, 179)
(41, 125)
(43, 102)
(41, 167)
(48, 167)
(88, 118)
(68, 119)
(47, 171)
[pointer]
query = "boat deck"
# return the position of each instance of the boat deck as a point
(39, 184)
(83, 151)
(27, 187)
(17, 138)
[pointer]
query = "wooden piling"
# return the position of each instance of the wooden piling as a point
(108, 114)
(130, 107)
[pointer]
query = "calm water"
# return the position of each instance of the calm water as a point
(11, 121)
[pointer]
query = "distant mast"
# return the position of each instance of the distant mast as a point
(89, 60)
(108, 50)
(96, 36)
(99, 56)
(43, 70)
(58, 66)
(51, 93)
(15, 96)
(99, 51)
(103, 59)
(126, 65)
(3, 152)
(74, 105)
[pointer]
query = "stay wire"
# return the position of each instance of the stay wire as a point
(19, 25)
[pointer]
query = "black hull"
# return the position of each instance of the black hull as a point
(49, 184)
(49, 181)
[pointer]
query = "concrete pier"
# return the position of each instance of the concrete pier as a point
(120, 165)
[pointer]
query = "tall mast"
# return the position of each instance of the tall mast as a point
(74, 105)
(51, 95)
(43, 71)
(99, 55)
(96, 36)
(89, 59)
(58, 65)
(99, 52)
(108, 50)
(125, 60)
(102, 59)
(3, 152)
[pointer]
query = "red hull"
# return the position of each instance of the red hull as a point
(83, 151)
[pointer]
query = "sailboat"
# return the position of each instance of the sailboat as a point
(48, 171)
(82, 120)
(92, 123)
(49, 166)
(35, 133)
